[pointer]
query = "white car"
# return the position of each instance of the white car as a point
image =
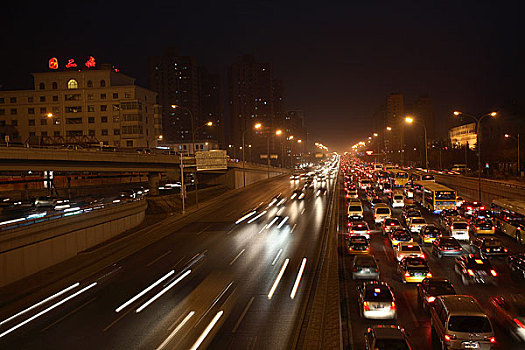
(381, 212)
(408, 249)
(398, 200)
(458, 228)
(416, 223)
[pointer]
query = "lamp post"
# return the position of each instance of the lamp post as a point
(518, 141)
(279, 132)
(411, 120)
(477, 120)
(256, 126)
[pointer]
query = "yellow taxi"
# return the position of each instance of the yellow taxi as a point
(414, 270)
(428, 234)
(358, 245)
(482, 227)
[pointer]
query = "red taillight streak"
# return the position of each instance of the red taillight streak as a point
(517, 322)
(470, 272)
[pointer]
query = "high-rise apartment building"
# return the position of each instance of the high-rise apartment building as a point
(211, 106)
(395, 114)
(255, 97)
(87, 106)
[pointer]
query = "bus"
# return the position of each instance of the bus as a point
(509, 217)
(417, 175)
(398, 177)
(436, 197)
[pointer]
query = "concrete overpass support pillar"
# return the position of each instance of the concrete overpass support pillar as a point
(153, 179)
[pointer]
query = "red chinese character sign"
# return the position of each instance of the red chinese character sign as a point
(90, 63)
(53, 63)
(71, 63)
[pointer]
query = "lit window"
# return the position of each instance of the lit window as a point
(72, 84)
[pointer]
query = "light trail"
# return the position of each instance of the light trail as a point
(130, 301)
(207, 330)
(278, 279)
(298, 279)
(159, 294)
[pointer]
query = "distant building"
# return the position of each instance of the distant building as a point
(463, 135)
(197, 93)
(89, 106)
(254, 97)
(394, 116)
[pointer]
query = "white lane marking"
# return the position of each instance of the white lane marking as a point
(293, 228)
(48, 309)
(302, 211)
(277, 256)
(230, 231)
(280, 211)
(237, 257)
(281, 202)
(130, 301)
(298, 279)
(244, 312)
(159, 294)
(158, 258)
(204, 229)
(282, 222)
(272, 222)
(68, 314)
(245, 217)
(278, 279)
(65, 290)
(263, 228)
(207, 331)
(256, 217)
(184, 321)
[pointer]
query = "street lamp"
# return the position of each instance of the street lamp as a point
(257, 126)
(477, 120)
(410, 120)
(518, 141)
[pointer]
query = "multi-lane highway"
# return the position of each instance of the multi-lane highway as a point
(411, 316)
(234, 276)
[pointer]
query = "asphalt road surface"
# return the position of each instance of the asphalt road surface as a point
(411, 316)
(210, 283)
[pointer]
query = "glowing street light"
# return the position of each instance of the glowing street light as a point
(410, 120)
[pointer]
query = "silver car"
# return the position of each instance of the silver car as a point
(365, 267)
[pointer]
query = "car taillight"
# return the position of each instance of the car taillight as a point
(470, 272)
(376, 269)
(367, 231)
(351, 231)
(393, 306)
(429, 274)
(493, 228)
(451, 227)
(494, 273)
(518, 323)
(407, 274)
(355, 269)
(449, 337)
(505, 250)
(492, 340)
(488, 249)
(423, 255)
(401, 256)
(366, 307)
(431, 299)
(477, 228)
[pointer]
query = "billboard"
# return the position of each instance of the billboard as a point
(211, 160)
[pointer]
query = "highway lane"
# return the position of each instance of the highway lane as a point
(411, 316)
(222, 276)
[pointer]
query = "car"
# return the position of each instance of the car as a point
(488, 247)
(408, 191)
(428, 234)
(509, 313)
(409, 207)
(384, 337)
(445, 214)
(416, 223)
(459, 201)
(388, 224)
(295, 177)
(365, 184)
(413, 270)
(375, 201)
(400, 235)
(355, 211)
(516, 264)
(352, 193)
(365, 267)
(411, 214)
(359, 228)
(473, 268)
(387, 188)
(45, 201)
(482, 226)
(458, 228)
(432, 287)
(297, 194)
(405, 250)
(376, 301)
(469, 208)
(446, 246)
(459, 322)
(358, 245)
(398, 200)
(381, 212)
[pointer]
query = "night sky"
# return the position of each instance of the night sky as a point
(338, 59)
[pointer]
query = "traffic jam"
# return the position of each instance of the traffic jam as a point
(423, 268)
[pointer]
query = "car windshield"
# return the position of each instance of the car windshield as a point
(479, 264)
(355, 208)
(414, 268)
(383, 211)
(391, 344)
(410, 248)
(398, 197)
(492, 243)
(441, 289)
(368, 261)
(377, 293)
(432, 231)
(391, 222)
(469, 324)
(401, 235)
(448, 241)
(418, 221)
(484, 225)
